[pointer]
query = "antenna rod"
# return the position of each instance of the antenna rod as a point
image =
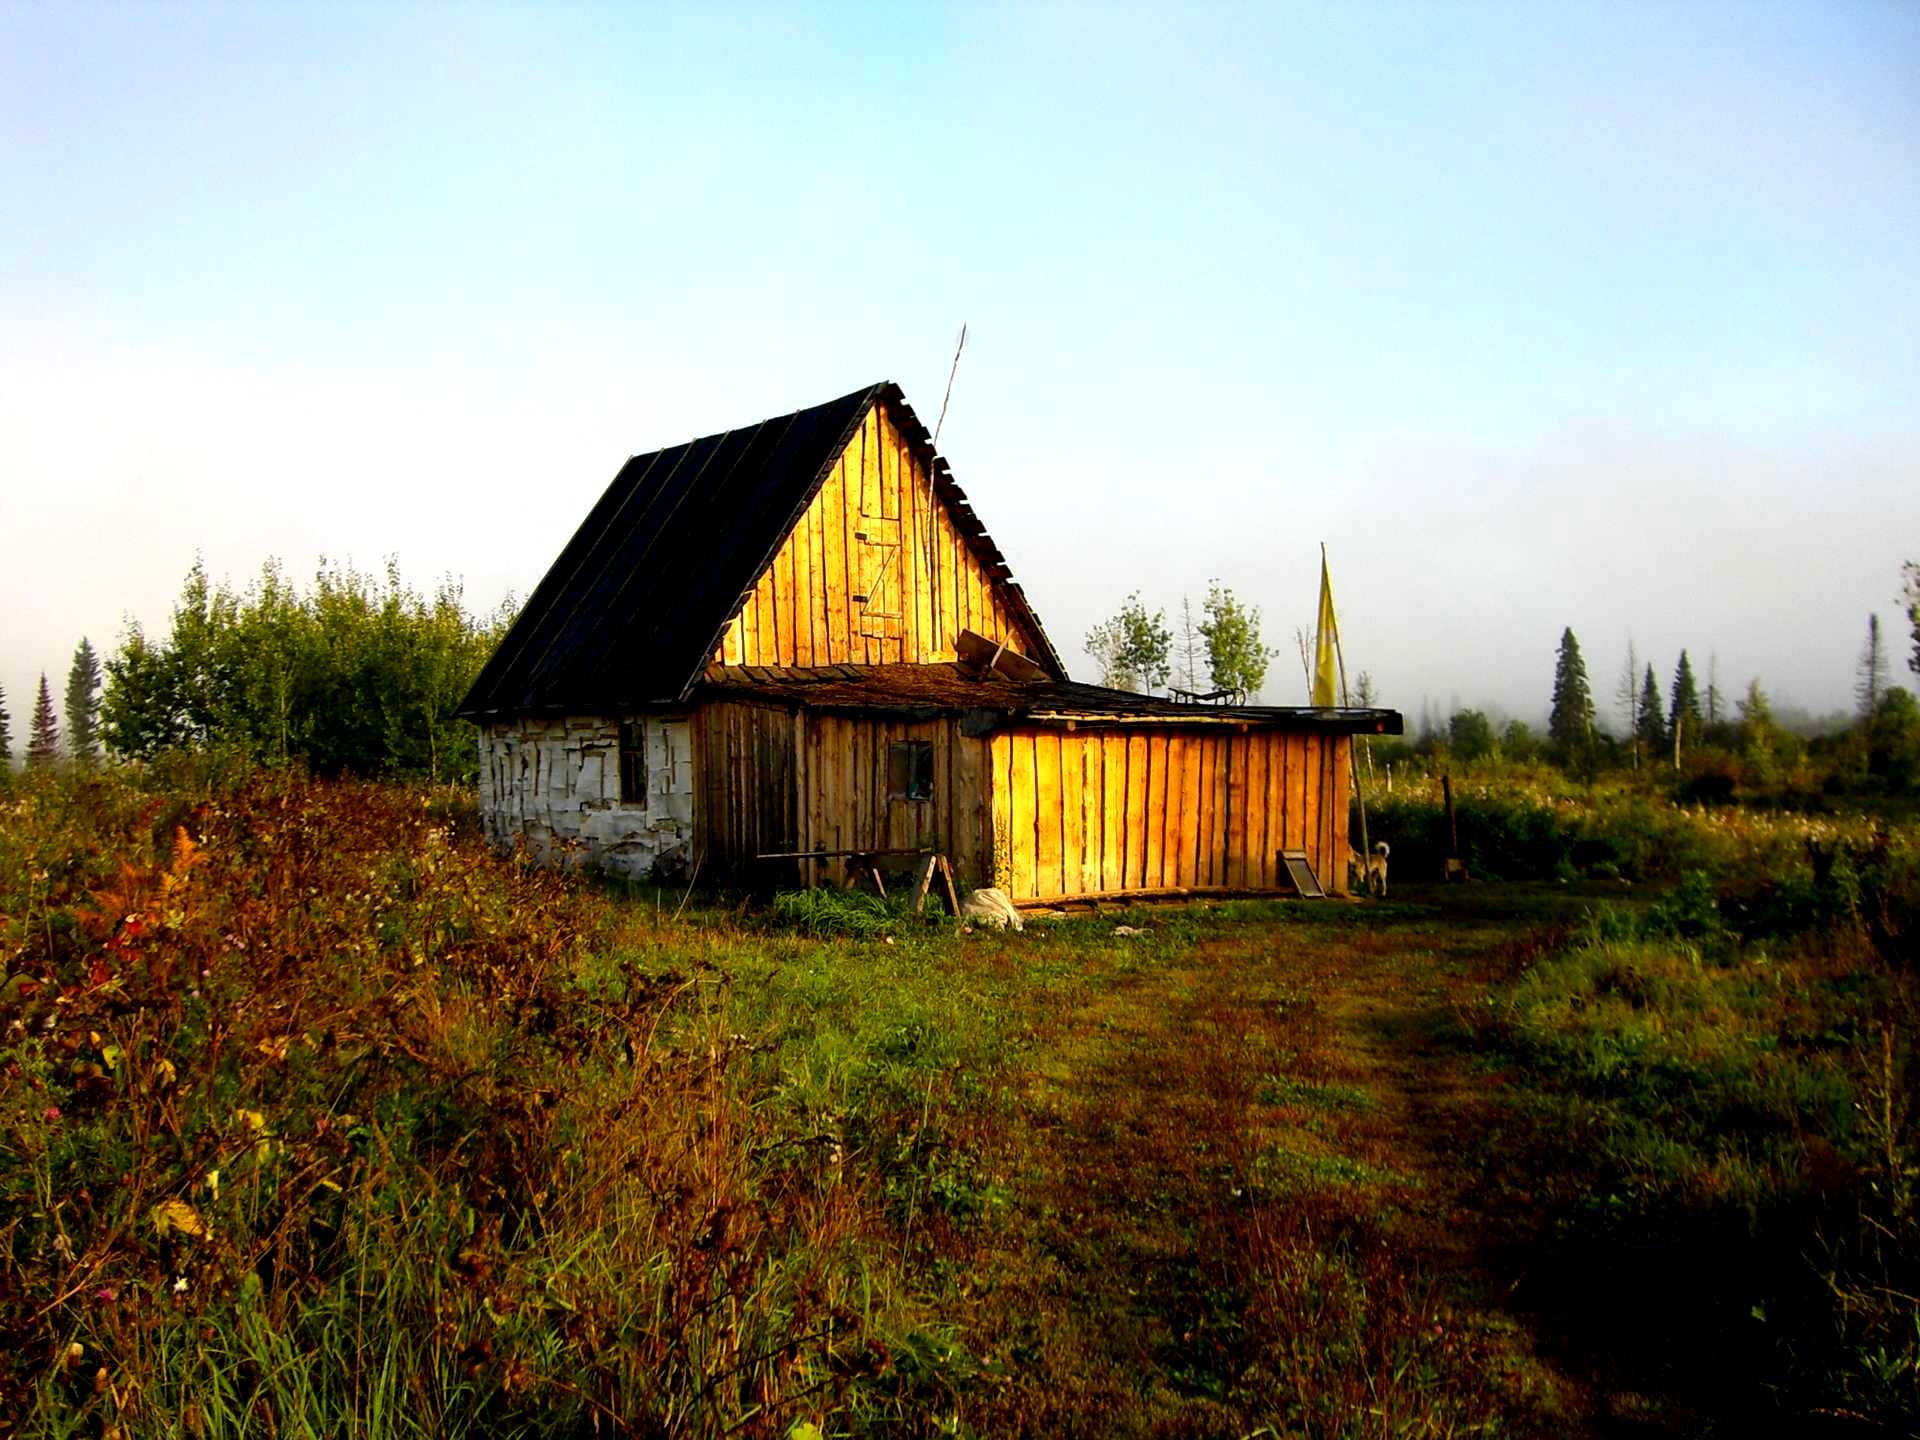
(954, 370)
(933, 546)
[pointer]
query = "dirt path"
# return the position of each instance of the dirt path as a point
(1241, 1165)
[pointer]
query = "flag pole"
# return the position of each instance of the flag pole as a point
(1353, 748)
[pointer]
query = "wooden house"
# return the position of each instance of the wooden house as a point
(797, 638)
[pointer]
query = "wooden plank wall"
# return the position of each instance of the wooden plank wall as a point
(772, 781)
(744, 795)
(1150, 808)
(804, 610)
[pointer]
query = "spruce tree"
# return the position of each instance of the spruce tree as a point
(83, 705)
(43, 748)
(1683, 719)
(1649, 722)
(1570, 726)
(6, 733)
(1872, 683)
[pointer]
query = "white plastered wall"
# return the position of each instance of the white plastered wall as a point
(553, 784)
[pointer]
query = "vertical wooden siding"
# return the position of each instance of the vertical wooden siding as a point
(773, 781)
(1081, 813)
(922, 582)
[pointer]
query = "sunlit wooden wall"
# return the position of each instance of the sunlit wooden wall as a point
(873, 531)
(1044, 813)
(1151, 808)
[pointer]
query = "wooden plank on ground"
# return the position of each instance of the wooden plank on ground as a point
(1300, 872)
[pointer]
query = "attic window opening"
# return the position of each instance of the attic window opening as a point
(910, 770)
(633, 763)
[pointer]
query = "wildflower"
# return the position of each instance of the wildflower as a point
(179, 1284)
(107, 1294)
(52, 1112)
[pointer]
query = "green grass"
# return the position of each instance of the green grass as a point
(500, 1153)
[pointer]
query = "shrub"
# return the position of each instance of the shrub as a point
(312, 1116)
(356, 676)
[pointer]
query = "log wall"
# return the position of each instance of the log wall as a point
(875, 572)
(1151, 808)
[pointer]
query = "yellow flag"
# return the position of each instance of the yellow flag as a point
(1325, 672)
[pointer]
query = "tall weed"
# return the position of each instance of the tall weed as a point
(313, 1118)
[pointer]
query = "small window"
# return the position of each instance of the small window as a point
(633, 763)
(910, 770)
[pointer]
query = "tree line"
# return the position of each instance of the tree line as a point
(355, 674)
(1667, 725)
(1661, 722)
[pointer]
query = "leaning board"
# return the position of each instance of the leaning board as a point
(1294, 862)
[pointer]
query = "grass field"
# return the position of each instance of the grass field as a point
(318, 1119)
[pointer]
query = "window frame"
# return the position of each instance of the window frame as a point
(631, 752)
(910, 772)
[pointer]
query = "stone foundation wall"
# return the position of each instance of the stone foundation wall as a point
(553, 784)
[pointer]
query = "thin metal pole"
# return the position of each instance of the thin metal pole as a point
(933, 523)
(1353, 757)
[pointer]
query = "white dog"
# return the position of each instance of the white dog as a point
(1369, 872)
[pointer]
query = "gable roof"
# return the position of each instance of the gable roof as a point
(630, 613)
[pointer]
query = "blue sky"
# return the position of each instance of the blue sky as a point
(1590, 316)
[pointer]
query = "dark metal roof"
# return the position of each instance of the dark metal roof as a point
(631, 612)
(951, 689)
